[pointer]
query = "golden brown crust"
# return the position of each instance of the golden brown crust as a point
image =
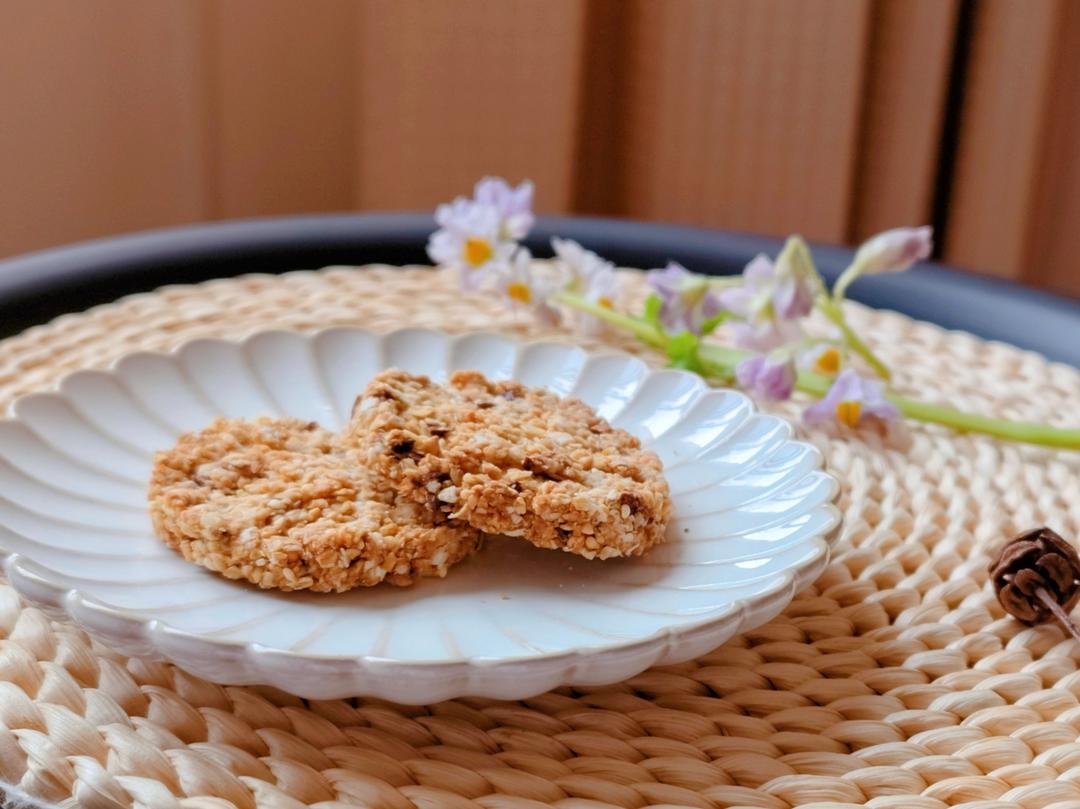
(282, 504)
(513, 460)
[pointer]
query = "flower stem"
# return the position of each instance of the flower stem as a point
(797, 250)
(853, 271)
(833, 312)
(719, 361)
(1026, 432)
(645, 332)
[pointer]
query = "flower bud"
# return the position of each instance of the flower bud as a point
(895, 250)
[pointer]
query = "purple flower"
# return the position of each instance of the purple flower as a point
(895, 250)
(851, 400)
(764, 336)
(584, 269)
(514, 205)
(521, 287)
(688, 300)
(467, 241)
(476, 236)
(587, 275)
(768, 303)
(753, 295)
(771, 376)
(792, 297)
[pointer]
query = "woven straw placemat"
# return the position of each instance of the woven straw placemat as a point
(894, 681)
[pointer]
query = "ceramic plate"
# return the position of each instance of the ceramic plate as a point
(751, 515)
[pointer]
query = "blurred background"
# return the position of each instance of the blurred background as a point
(831, 118)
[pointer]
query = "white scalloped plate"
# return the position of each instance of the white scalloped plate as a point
(752, 512)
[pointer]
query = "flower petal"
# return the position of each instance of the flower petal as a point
(792, 298)
(747, 370)
(759, 270)
(847, 387)
(883, 410)
(769, 376)
(821, 412)
(736, 300)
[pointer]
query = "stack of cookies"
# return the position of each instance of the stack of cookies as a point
(421, 473)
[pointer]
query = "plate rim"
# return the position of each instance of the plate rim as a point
(20, 567)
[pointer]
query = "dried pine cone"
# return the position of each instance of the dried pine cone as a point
(1037, 577)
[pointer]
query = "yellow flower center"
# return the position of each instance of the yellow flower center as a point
(848, 413)
(607, 303)
(478, 251)
(519, 292)
(828, 362)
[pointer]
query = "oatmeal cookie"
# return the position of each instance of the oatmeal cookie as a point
(513, 460)
(280, 503)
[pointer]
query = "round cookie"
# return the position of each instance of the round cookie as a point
(281, 504)
(513, 460)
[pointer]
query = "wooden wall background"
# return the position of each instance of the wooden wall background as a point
(833, 118)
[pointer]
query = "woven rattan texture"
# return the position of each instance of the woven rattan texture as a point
(894, 681)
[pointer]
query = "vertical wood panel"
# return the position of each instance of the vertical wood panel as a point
(103, 121)
(743, 113)
(598, 169)
(450, 91)
(282, 92)
(1003, 117)
(1053, 255)
(910, 57)
(822, 116)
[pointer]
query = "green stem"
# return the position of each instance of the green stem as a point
(719, 362)
(845, 280)
(1026, 432)
(830, 305)
(834, 313)
(645, 332)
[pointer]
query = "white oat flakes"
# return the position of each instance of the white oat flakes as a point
(282, 504)
(513, 460)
